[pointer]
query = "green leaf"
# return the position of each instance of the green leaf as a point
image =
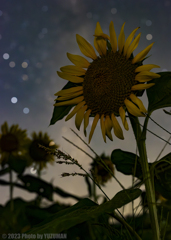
(4, 171)
(61, 111)
(162, 178)
(84, 210)
(126, 162)
(14, 222)
(17, 163)
(169, 113)
(159, 96)
(33, 184)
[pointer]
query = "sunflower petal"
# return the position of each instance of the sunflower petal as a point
(4, 128)
(79, 117)
(70, 102)
(146, 75)
(75, 110)
(103, 127)
(117, 129)
(96, 119)
(73, 70)
(79, 61)
(85, 47)
(102, 35)
(121, 39)
(86, 120)
(133, 45)
(68, 91)
(132, 108)
(123, 118)
(108, 127)
(142, 86)
(99, 43)
(70, 78)
(70, 96)
(140, 56)
(146, 67)
(113, 38)
(129, 40)
(138, 102)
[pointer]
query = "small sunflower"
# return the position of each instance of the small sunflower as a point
(39, 156)
(108, 85)
(100, 174)
(13, 141)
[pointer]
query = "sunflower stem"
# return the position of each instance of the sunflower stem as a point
(140, 137)
(11, 191)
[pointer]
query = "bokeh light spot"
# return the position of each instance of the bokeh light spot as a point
(113, 10)
(149, 36)
(5, 56)
(25, 77)
(26, 110)
(14, 100)
(52, 143)
(33, 170)
(44, 30)
(12, 64)
(148, 23)
(45, 8)
(24, 64)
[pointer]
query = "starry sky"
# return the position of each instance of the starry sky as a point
(34, 39)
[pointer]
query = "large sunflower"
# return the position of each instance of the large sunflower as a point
(39, 156)
(13, 141)
(107, 86)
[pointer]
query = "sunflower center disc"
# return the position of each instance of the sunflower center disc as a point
(9, 142)
(37, 153)
(107, 83)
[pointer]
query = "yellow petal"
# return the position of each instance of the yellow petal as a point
(129, 40)
(103, 127)
(146, 75)
(121, 39)
(142, 86)
(133, 45)
(113, 38)
(68, 91)
(99, 43)
(73, 70)
(140, 56)
(86, 120)
(70, 102)
(75, 110)
(85, 47)
(79, 61)
(73, 95)
(132, 108)
(79, 117)
(95, 121)
(117, 129)
(70, 78)
(138, 102)
(102, 35)
(146, 67)
(108, 127)
(123, 118)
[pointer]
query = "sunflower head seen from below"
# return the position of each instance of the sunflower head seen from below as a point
(13, 141)
(100, 174)
(39, 156)
(107, 86)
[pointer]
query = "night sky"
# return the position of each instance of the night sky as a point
(34, 39)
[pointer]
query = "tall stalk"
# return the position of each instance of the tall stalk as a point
(140, 138)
